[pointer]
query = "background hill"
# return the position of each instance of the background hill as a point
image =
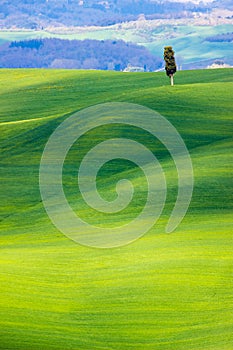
(70, 54)
(41, 13)
(164, 291)
(201, 32)
(195, 46)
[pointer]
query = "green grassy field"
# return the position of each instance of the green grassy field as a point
(162, 292)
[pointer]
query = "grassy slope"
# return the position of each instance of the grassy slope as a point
(161, 292)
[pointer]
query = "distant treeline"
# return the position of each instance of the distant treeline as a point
(76, 54)
(38, 14)
(227, 37)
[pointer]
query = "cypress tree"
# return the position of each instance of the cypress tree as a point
(170, 63)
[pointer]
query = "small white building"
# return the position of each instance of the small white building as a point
(134, 69)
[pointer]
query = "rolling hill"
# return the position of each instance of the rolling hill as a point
(162, 292)
(190, 42)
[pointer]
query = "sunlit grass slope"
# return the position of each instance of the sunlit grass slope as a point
(164, 291)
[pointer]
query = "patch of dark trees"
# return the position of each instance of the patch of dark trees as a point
(76, 54)
(227, 37)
